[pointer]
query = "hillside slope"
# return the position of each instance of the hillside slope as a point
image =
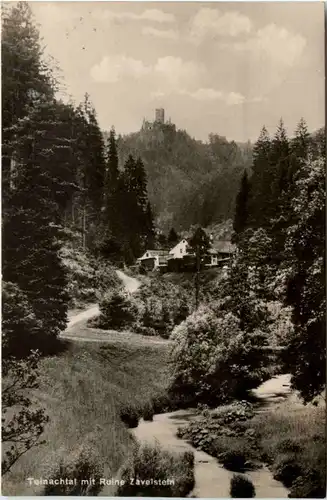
(189, 182)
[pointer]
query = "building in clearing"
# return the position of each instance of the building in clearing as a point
(180, 250)
(153, 259)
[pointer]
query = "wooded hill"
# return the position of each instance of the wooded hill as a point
(189, 181)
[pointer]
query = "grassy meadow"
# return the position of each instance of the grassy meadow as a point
(82, 391)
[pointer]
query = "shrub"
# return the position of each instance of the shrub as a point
(157, 473)
(161, 403)
(309, 485)
(292, 438)
(80, 465)
(117, 310)
(130, 415)
(161, 305)
(20, 329)
(241, 487)
(286, 470)
(148, 412)
(234, 459)
(213, 359)
(88, 277)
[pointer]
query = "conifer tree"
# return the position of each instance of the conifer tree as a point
(172, 237)
(32, 236)
(305, 356)
(260, 181)
(241, 208)
(25, 77)
(113, 218)
(138, 217)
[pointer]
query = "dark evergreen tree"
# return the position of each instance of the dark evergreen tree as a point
(31, 233)
(261, 181)
(281, 165)
(241, 208)
(173, 237)
(25, 77)
(149, 228)
(305, 356)
(114, 238)
(138, 214)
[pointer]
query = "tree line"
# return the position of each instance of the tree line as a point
(59, 174)
(279, 228)
(58, 177)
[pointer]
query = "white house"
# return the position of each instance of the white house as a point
(179, 250)
(153, 259)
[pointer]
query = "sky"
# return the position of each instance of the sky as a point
(215, 67)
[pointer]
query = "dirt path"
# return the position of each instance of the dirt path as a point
(131, 285)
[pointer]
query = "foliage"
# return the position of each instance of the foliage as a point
(213, 360)
(292, 438)
(78, 474)
(161, 305)
(88, 277)
(22, 425)
(155, 472)
(25, 76)
(305, 245)
(241, 206)
(85, 377)
(220, 433)
(241, 487)
(117, 310)
(130, 415)
(209, 173)
(20, 329)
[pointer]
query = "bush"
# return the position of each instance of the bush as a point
(148, 412)
(130, 415)
(157, 473)
(292, 438)
(21, 332)
(161, 403)
(88, 277)
(309, 485)
(213, 359)
(286, 470)
(161, 305)
(80, 465)
(117, 310)
(241, 487)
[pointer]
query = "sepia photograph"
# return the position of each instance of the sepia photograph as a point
(163, 249)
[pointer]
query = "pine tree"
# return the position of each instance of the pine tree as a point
(241, 208)
(150, 230)
(32, 223)
(114, 238)
(281, 189)
(25, 77)
(260, 181)
(305, 356)
(279, 161)
(172, 237)
(138, 217)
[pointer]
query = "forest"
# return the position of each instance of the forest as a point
(78, 204)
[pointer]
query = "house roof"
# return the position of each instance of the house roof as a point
(184, 240)
(151, 254)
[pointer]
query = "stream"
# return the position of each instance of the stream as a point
(212, 480)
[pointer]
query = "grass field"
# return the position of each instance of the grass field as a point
(82, 391)
(293, 436)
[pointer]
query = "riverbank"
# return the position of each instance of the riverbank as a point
(272, 442)
(82, 391)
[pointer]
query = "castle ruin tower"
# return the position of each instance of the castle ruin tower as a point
(160, 115)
